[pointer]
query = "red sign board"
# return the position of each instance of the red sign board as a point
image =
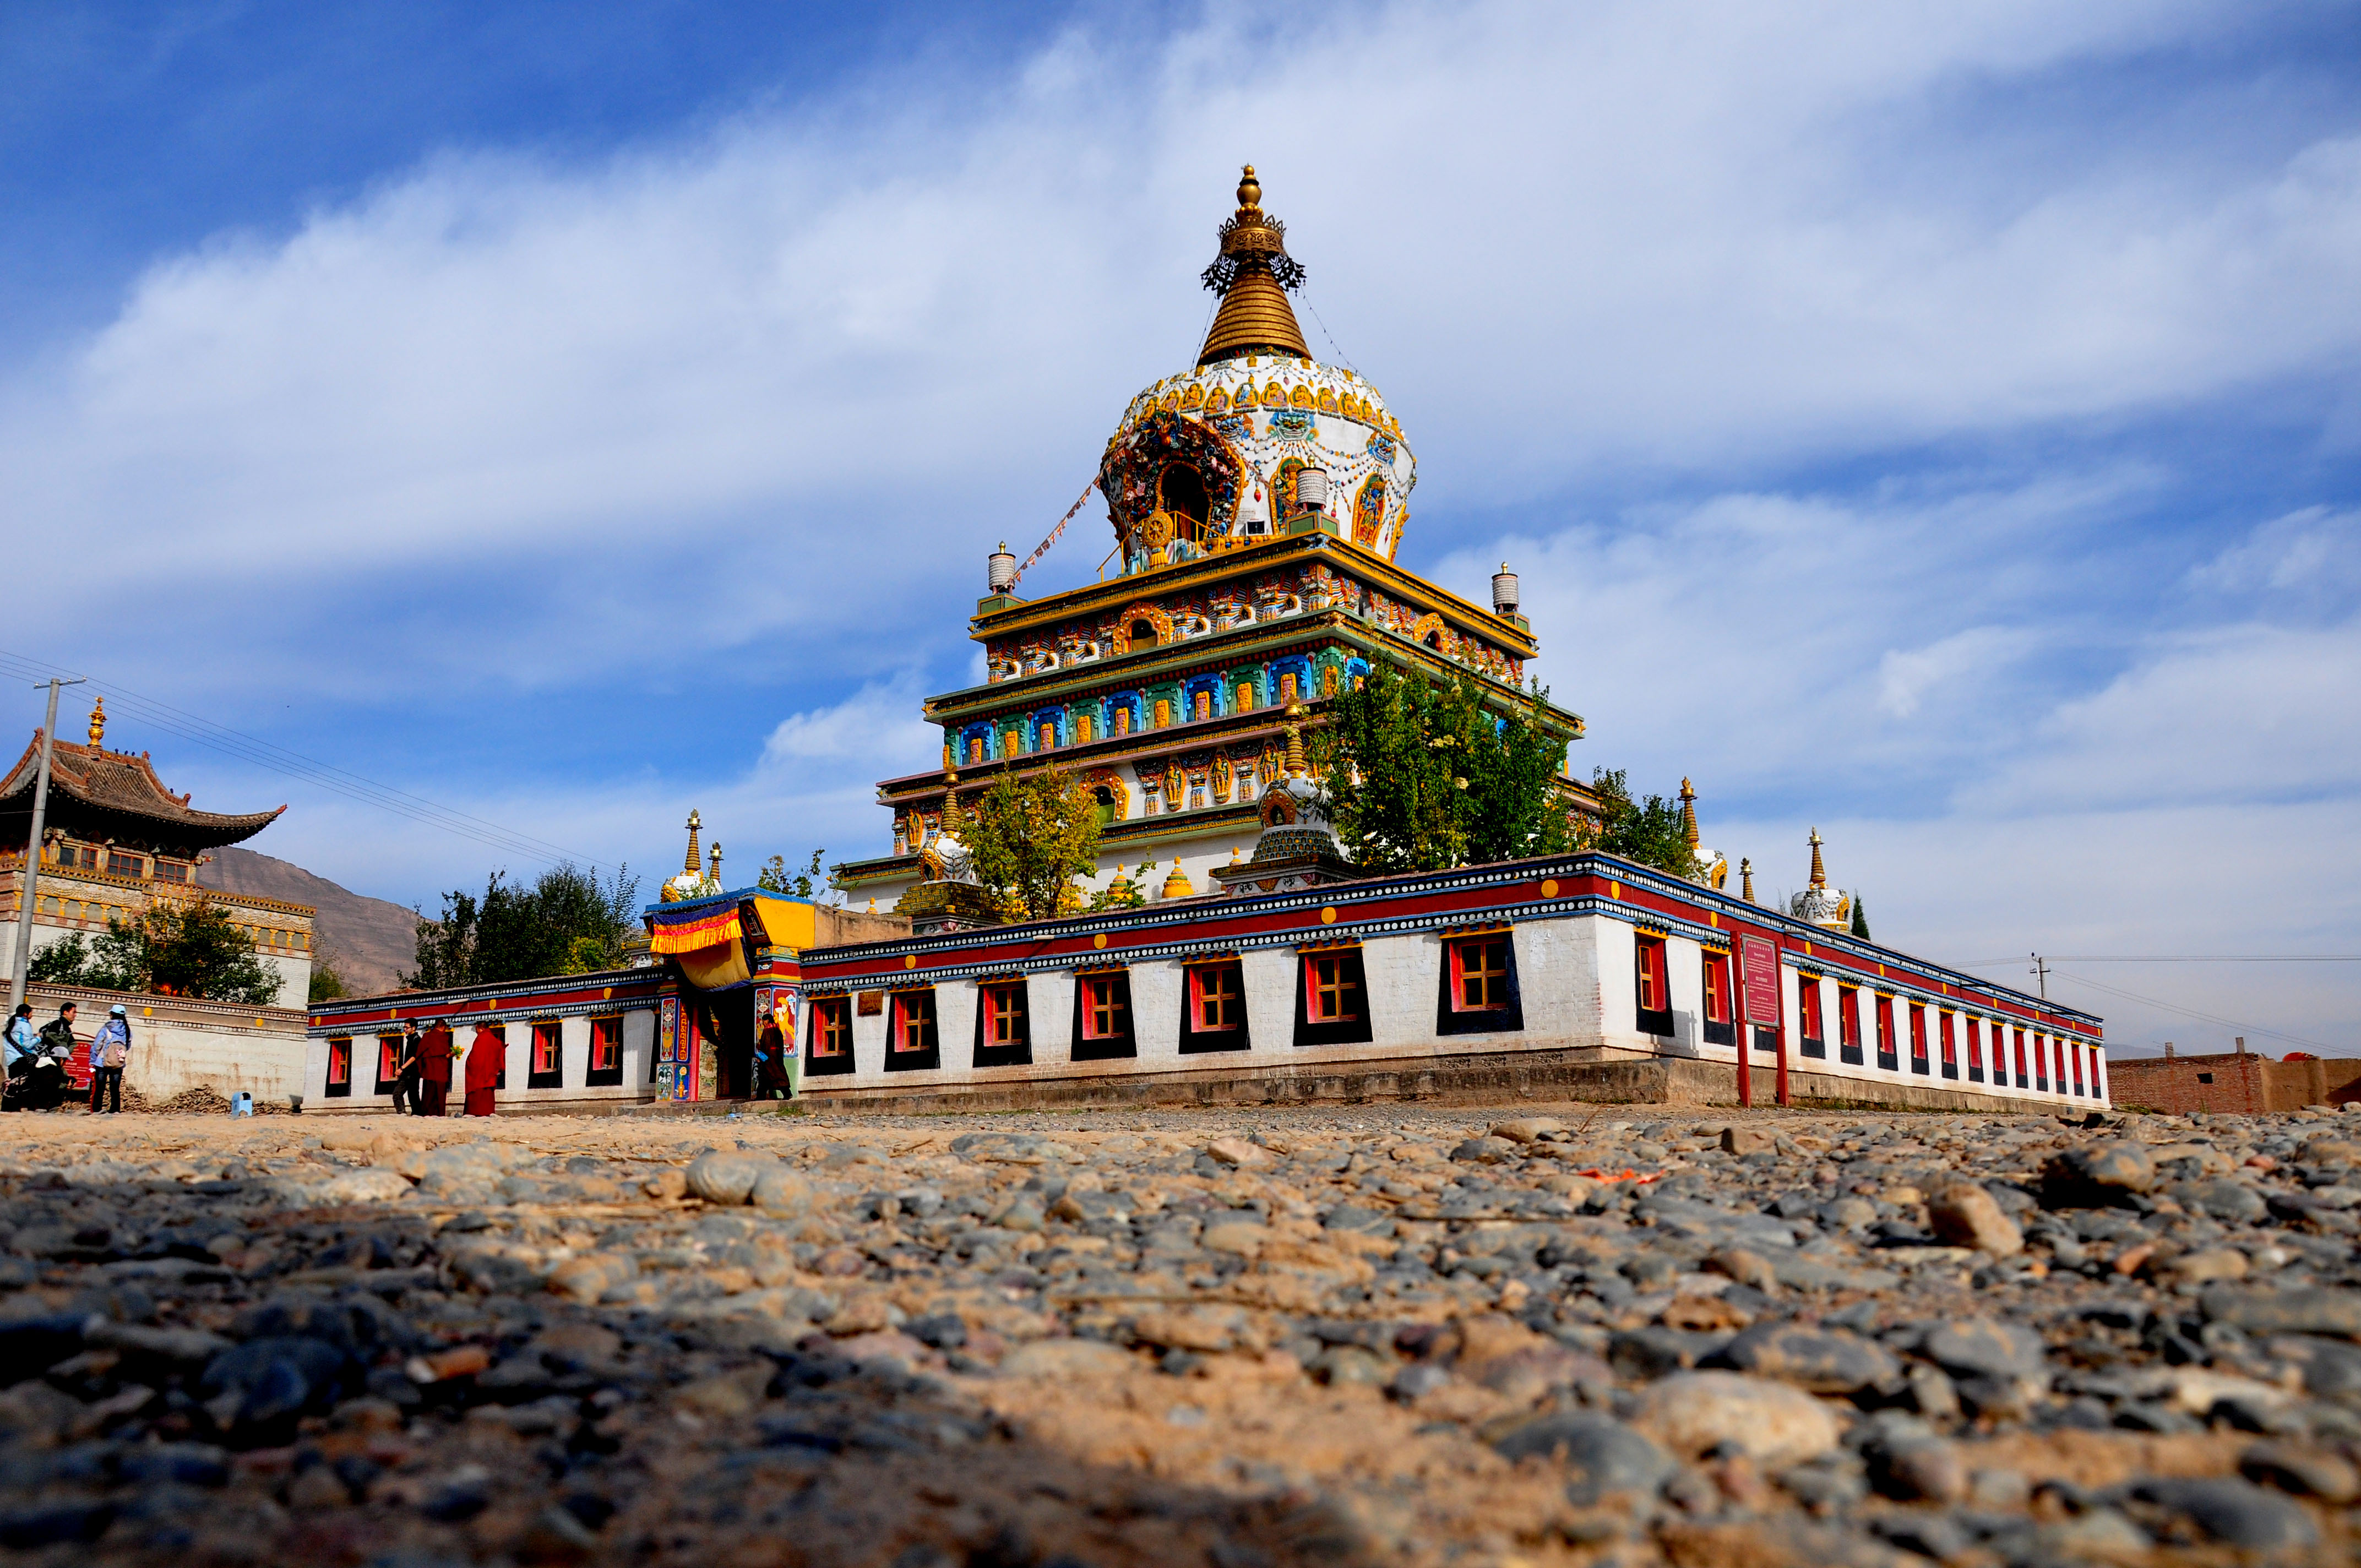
(1758, 964)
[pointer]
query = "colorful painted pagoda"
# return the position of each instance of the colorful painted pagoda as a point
(1258, 503)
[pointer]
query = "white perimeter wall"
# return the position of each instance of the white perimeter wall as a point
(1577, 984)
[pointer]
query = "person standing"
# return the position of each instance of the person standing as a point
(436, 1047)
(405, 1072)
(23, 1045)
(110, 1052)
(485, 1063)
(50, 1067)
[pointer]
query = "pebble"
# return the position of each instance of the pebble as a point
(1693, 1412)
(1964, 1214)
(1811, 1338)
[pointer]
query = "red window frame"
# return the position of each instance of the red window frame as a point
(1485, 987)
(1217, 999)
(1949, 1029)
(605, 1044)
(1807, 1009)
(2024, 1075)
(831, 1026)
(1917, 1035)
(914, 1019)
(1849, 1016)
(1975, 1044)
(545, 1046)
(1329, 990)
(1003, 1015)
(1717, 1004)
(388, 1057)
(1103, 1007)
(1885, 1040)
(340, 1061)
(1648, 971)
(2076, 1053)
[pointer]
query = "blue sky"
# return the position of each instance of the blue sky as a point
(1939, 427)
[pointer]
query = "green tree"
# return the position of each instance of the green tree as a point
(62, 962)
(1030, 837)
(776, 877)
(1422, 776)
(1860, 921)
(176, 948)
(1649, 829)
(569, 922)
(327, 981)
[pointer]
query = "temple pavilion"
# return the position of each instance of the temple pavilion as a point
(115, 838)
(1259, 502)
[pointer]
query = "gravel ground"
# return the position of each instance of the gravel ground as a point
(1344, 1336)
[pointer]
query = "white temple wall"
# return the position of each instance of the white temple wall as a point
(1156, 995)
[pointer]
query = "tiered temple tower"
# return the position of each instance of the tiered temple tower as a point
(1257, 500)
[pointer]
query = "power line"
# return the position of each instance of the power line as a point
(2175, 958)
(261, 754)
(2191, 1012)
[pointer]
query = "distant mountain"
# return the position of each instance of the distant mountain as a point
(368, 940)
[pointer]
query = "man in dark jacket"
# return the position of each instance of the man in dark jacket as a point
(57, 1051)
(405, 1073)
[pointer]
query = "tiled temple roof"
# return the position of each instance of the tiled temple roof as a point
(99, 794)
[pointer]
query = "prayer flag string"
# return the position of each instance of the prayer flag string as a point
(1041, 549)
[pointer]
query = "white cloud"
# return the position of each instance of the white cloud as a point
(1904, 677)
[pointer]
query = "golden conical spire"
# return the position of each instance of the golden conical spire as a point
(1252, 275)
(97, 722)
(689, 865)
(1746, 879)
(714, 874)
(1820, 872)
(1688, 814)
(1295, 760)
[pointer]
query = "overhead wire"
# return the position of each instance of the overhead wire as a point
(327, 776)
(2189, 1011)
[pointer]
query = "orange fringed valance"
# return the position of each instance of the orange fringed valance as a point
(707, 931)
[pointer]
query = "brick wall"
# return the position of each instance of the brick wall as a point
(2237, 1083)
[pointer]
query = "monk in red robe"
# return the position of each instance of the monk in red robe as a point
(484, 1064)
(434, 1053)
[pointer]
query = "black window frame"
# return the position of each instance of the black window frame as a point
(1120, 1046)
(815, 1065)
(929, 1056)
(1353, 1031)
(1195, 1041)
(329, 1088)
(1813, 1046)
(1655, 1020)
(555, 1077)
(385, 1081)
(1452, 1015)
(1921, 1047)
(1020, 1052)
(1850, 1053)
(1725, 1031)
(1952, 1044)
(593, 1075)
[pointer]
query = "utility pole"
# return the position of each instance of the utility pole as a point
(29, 882)
(2040, 971)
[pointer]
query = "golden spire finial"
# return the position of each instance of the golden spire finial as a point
(1746, 879)
(689, 865)
(1820, 872)
(1688, 814)
(97, 722)
(714, 874)
(1252, 275)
